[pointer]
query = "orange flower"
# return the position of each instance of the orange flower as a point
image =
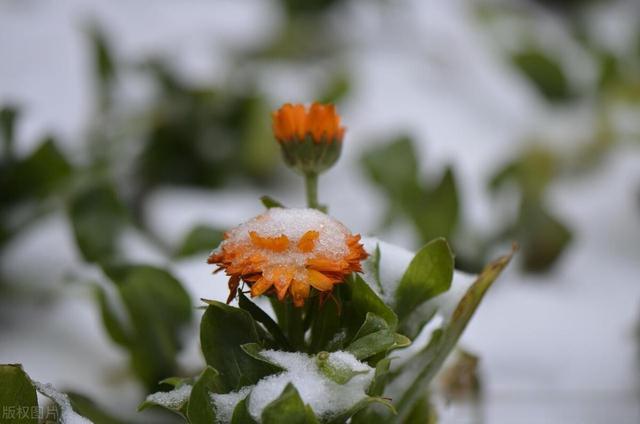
(293, 122)
(288, 252)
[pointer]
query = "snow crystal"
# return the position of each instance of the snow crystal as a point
(345, 360)
(326, 397)
(293, 223)
(173, 399)
(67, 414)
(226, 403)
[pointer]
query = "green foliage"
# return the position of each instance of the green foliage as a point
(200, 409)
(19, 400)
(270, 202)
(201, 136)
(423, 367)
(17, 392)
(201, 238)
(429, 274)
(157, 308)
(98, 217)
(8, 117)
(544, 73)
(297, 7)
(288, 408)
(35, 176)
(432, 207)
(27, 183)
(89, 409)
(263, 318)
(241, 414)
(542, 236)
(223, 331)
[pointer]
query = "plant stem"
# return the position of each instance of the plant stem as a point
(311, 186)
(295, 324)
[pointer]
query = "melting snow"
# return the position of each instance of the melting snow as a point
(226, 403)
(293, 223)
(325, 397)
(173, 399)
(67, 414)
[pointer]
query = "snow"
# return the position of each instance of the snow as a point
(67, 414)
(542, 340)
(292, 223)
(326, 397)
(173, 399)
(226, 403)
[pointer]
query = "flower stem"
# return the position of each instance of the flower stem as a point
(311, 186)
(295, 329)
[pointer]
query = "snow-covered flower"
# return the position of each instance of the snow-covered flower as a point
(289, 251)
(311, 138)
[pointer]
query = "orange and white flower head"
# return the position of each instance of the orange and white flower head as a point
(311, 138)
(289, 252)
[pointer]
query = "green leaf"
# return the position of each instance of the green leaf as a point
(223, 331)
(89, 409)
(338, 88)
(17, 392)
(380, 377)
(8, 118)
(103, 62)
(200, 238)
(36, 176)
(545, 73)
(178, 381)
(254, 349)
(158, 309)
(422, 412)
(270, 202)
(200, 409)
(542, 236)
(288, 408)
(115, 328)
(364, 300)
(393, 166)
(258, 151)
(241, 413)
(360, 406)
(373, 337)
(263, 318)
(429, 274)
(175, 400)
(339, 373)
(443, 341)
(436, 213)
(375, 265)
(325, 326)
(98, 217)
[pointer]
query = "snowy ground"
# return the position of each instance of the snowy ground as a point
(558, 348)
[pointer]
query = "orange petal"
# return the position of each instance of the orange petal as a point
(281, 280)
(322, 265)
(308, 241)
(260, 286)
(276, 244)
(299, 292)
(319, 281)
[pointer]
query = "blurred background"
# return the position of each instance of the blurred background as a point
(134, 132)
